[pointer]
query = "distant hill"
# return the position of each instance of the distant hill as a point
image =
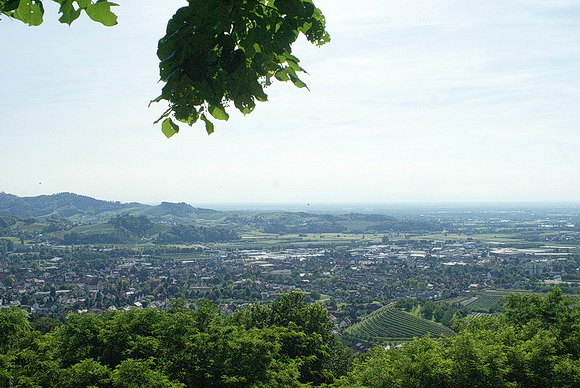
(62, 205)
(86, 209)
(80, 209)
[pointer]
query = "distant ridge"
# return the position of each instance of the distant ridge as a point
(70, 205)
(60, 204)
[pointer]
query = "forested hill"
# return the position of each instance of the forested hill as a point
(79, 209)
(61, 204)
(83, 208)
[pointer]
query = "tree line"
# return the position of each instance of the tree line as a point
(284, 344)
(287, 343)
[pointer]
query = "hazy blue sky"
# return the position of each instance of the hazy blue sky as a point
(411, 101)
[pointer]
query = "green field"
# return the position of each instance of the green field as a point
(256, 239)
(93, 228)
(482, 300)
(497, 238)
(389, 324)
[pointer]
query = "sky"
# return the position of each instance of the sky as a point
(411, 101)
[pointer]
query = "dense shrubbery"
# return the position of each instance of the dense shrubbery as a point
(7, 221)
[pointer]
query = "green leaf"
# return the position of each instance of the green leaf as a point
(30, 12)
(294, 65)
(155, 100)
(218, 112)
(69, 13)
(169, 128)
(282, 74)
(258, 92)
(208, 124)
(297, 82)
(101, 12)
(245, 104)
(192, 119)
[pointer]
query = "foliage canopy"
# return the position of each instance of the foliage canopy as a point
(288, 343)
(285, 344)
(215, 52)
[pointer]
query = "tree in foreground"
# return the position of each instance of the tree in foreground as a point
(285, 344)
(288, 343)
(215, 54)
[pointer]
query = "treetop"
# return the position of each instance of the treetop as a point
(215, 54)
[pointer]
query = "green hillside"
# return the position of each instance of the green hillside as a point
(389, 324)
(83, 209)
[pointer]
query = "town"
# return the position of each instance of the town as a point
(68, 253)
(349, 281)
(363, 282)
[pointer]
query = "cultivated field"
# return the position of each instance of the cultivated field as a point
(389, 324)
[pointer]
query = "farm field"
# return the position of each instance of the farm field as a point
(485, 300)
(497, 238)
(391, 324)
(257, 239)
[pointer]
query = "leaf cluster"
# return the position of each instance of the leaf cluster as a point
(215, 52)
(31, 12)
(221, 52)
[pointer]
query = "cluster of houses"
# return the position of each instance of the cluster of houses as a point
(346, 279)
